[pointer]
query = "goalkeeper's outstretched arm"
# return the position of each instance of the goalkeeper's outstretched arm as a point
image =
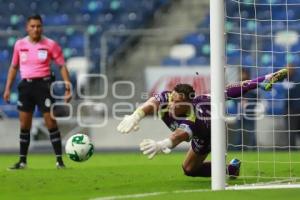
(130, 122)
(150, 147)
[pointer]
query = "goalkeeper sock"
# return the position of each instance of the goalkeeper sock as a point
(24, 144)
(238, 89)
(56, 143)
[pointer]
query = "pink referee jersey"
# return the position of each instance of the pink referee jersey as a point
(34, 59)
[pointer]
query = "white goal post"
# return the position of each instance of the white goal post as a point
(217, 61)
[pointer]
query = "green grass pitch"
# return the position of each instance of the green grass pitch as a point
(116, 175)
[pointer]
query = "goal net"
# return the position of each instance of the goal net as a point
(263, 130)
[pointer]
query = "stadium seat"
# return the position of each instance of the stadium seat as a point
(56, 19)
(205, 22)
(198, 61)
(196, 39)
(95, 6)
(4, 55)
(276, 100)
(296, 47)
(168, 61)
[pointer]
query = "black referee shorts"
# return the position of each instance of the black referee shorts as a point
(34, 92)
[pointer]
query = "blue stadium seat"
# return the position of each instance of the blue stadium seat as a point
(292, 58)
(232, 107)
(276, 100)
(76, 40)
(231, 8)
(170, 62)
(56, 19)
(95, 6)
(248, 59)
(295, 48)
(4, 56)
(199, 61)
(196, 39)
(129, 20)
(205, 23)
(203, 50)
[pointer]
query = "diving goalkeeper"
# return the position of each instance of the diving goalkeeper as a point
(188, 117)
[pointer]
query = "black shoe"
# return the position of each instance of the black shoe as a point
(60, 165)
(18, 165)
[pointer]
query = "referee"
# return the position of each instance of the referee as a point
(32, 55)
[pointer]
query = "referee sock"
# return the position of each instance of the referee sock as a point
(24, 144)
(56, 143)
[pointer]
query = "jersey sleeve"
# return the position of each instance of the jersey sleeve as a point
(57, 55)
(202, 98)
(16, 57)
(163, 97)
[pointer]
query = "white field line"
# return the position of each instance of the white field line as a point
(131, 196)
(258, 187)
(250, 187)
(136, 196)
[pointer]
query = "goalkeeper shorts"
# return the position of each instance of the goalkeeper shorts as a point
(200, 146)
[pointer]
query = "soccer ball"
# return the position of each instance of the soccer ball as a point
(79, 147)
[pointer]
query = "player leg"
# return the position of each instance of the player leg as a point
(44, 101)
(194, 164)
(25, 107)
(55, 138)
(265, 82)
(25, 121)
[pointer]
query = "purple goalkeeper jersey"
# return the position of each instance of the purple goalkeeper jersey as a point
(196, 123)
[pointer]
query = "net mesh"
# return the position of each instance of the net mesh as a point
(262, 36)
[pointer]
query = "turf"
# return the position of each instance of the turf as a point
(115, 174)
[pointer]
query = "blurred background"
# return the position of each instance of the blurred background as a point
(120, 52)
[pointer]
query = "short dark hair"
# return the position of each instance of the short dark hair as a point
(186, 90)
(35, 17)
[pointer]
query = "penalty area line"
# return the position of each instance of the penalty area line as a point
(130, 196)
(136, 196)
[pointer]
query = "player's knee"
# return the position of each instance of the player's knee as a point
(188, 171)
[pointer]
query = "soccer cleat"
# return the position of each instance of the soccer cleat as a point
(18, 165)
(275, 77)
(234, 168)
(60, 165)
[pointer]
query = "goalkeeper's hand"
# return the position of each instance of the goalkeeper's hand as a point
(151, 148)
(130, 122)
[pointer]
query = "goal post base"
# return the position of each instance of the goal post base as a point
(269, 185)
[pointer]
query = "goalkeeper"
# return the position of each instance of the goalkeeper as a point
(188, 117)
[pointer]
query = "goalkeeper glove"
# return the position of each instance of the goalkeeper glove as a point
(130, 122)
(151, 148)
